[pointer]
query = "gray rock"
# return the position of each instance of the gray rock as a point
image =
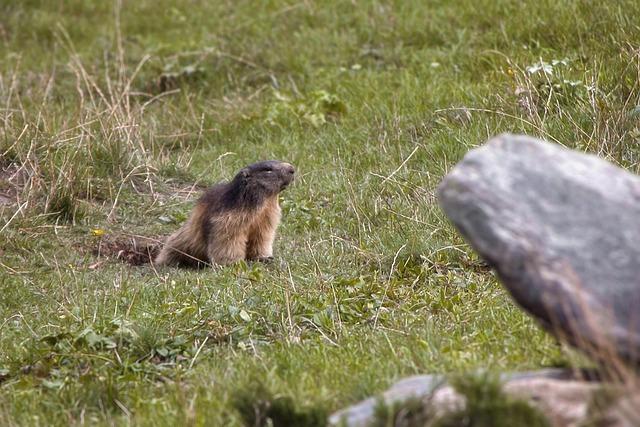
(563, 398)
(562, 230)
(363, 414)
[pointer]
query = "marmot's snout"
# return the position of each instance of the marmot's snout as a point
(288, 172)
(266, 178)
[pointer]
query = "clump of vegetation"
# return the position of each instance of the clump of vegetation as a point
(486, 405)
(260, 408)
(410, 413)
(316, 109)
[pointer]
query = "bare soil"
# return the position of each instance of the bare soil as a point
(133, 250)
(12, 180)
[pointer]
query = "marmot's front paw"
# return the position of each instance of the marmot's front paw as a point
(266, 259)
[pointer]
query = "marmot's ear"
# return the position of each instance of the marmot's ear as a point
(244, 173)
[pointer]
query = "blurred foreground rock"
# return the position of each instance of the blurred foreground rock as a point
(556, 393)
(562, 230)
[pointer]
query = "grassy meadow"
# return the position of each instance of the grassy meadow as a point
(114, 115)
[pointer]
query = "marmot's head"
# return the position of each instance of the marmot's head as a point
(266, 178)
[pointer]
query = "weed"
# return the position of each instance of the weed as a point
(259, 407)
(486, 405)
(409, 413)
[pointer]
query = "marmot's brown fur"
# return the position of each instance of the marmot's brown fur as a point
(233, 220)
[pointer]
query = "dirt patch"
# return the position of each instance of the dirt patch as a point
(12, 180)
(133, 250)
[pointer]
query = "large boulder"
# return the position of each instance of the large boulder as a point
(562, 231)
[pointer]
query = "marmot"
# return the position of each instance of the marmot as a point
(233, 220)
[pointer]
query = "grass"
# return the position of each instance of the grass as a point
(487, 405)
(112, 111)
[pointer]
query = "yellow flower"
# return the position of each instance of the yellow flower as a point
(99, 232)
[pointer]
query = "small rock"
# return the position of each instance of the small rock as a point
(561, 229)
(363, 414)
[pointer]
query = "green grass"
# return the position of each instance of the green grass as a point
(113, 111)
(488, 406)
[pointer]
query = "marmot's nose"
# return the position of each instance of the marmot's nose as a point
(288, 168)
